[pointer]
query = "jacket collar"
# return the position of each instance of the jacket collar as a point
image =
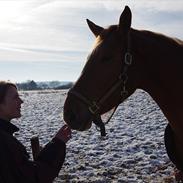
(8, 127)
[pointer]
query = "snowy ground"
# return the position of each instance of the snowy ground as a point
(132, 152)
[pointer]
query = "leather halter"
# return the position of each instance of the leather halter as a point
(95, 106)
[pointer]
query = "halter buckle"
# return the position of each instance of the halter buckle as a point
(94, 108)
(128, 58)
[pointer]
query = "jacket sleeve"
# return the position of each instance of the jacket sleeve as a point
(47, 165)
(15, 166)
(50, 161)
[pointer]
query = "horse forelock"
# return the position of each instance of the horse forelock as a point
(108, 31)
(105, 34)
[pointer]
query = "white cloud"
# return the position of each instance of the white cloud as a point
(45, 30)
(54, 24)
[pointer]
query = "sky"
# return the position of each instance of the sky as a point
(49, 40)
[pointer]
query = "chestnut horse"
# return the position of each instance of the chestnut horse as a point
(123, 60)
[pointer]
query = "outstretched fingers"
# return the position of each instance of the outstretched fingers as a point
(64, 133)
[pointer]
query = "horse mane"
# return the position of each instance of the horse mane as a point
(155, 36)
(106, 32)
(159, 40)
(150, 34)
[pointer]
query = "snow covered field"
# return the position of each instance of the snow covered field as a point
(133, 150)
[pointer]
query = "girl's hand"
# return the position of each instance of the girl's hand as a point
(64, 133)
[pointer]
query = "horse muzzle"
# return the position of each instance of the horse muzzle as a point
(76, 114)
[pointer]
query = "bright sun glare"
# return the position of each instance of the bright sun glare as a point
(10, 10)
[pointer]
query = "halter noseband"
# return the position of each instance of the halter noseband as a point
(95, 106)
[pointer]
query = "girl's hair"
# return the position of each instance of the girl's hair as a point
(4, 86)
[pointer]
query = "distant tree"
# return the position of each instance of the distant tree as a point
(29, 85)
(66, 86)
(32, 85)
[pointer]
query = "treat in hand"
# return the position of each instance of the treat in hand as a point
(64, 133)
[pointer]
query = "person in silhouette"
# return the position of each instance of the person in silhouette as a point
(15, 164)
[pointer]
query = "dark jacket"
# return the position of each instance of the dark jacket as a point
(15, 166)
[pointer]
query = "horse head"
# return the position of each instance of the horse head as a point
(106, 78)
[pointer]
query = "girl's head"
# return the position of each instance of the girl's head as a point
(10, 102)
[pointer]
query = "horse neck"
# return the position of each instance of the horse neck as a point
(158, 64)
(154, 55)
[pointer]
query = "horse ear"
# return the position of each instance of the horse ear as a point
(125, 20)
(94, 28)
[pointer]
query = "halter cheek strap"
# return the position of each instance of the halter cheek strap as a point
(95, 106)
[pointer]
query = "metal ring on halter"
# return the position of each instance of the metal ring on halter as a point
(128, 58)
(94, 108)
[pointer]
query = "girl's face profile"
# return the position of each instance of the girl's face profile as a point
(11, 106)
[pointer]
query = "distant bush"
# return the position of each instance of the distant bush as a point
(66, 86)
(29, 85)
(32, 85)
